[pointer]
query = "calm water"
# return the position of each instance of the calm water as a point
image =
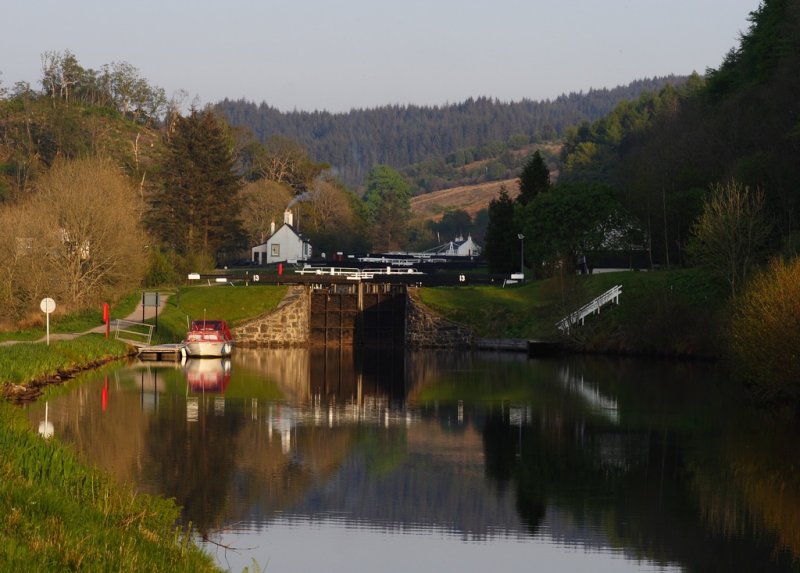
(303, 460)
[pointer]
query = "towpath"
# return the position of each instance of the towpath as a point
(136, 316)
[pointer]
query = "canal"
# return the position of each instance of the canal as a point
(334, 460)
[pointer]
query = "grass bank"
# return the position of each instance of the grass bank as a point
(233, 304)
(28, 366)
(676, 312)
(57, 515)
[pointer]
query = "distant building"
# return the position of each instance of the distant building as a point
(283, 245)
(459, 247)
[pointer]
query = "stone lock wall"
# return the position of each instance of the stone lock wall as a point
(426, 329)
(286, 326)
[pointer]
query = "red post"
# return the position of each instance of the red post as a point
(105, 316)
(280, 269)
(104, 394)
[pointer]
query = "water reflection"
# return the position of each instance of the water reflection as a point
(632, 465)
(208, 374)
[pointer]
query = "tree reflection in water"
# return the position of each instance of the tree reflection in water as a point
(660, 461)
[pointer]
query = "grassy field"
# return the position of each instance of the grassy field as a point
(233, 304)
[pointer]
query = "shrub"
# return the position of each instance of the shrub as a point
(765, 331)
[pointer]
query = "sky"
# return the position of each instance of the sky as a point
(350, 54)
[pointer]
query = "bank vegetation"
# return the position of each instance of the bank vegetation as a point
(58, 515)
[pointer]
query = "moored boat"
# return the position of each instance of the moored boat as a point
(210, 338)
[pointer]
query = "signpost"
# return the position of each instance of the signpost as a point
(150, 299)
(48, 305)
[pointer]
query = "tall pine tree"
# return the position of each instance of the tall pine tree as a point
(534, 179)
(196, 211)
(502, 244)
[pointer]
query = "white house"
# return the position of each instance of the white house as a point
(283, 245)
(458, 248)
(465, 248)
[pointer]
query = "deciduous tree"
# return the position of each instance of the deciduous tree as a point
(387, 200)
(78, 239)
(569, 220)
(263, 203)
(731, 235)
(331, 217)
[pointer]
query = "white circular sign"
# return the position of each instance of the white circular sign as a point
(46, 429)
(47, 305)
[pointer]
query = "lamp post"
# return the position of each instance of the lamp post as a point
(521, 238)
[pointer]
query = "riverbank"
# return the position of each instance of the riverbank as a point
(28, 367)
(58, 515)
(666, 313)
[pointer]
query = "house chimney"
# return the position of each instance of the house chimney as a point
(272, 228)
(287, 217)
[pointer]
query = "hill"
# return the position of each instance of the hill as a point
(468, 198)
(739, 122)
(400, 136)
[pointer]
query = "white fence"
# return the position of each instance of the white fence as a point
(611, 295)
(353, 273)
(136, 333)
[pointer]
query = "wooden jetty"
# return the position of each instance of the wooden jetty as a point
(160, 352)
(533, 348)
(506, 344)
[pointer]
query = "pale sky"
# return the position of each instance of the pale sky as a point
(335, 56)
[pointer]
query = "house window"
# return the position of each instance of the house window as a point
(276, 250)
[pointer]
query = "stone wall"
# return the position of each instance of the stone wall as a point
(426, 329)
(286, 326)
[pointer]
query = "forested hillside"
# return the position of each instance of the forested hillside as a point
(404, 135)
(741, 122)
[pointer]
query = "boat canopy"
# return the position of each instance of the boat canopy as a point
(209, 325)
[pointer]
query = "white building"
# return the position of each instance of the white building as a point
(459, 247)
(283, 245)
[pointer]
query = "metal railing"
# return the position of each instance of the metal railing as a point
(611, 295)
(136, 333)
(355, 273)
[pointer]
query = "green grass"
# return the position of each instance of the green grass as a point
(79, 322)
(531, 310)
(57, 515)
(28, 361)
(491, 312)
(233, 304)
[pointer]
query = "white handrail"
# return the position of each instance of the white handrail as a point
(136, 333)
(353, 273)
(611, 295)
